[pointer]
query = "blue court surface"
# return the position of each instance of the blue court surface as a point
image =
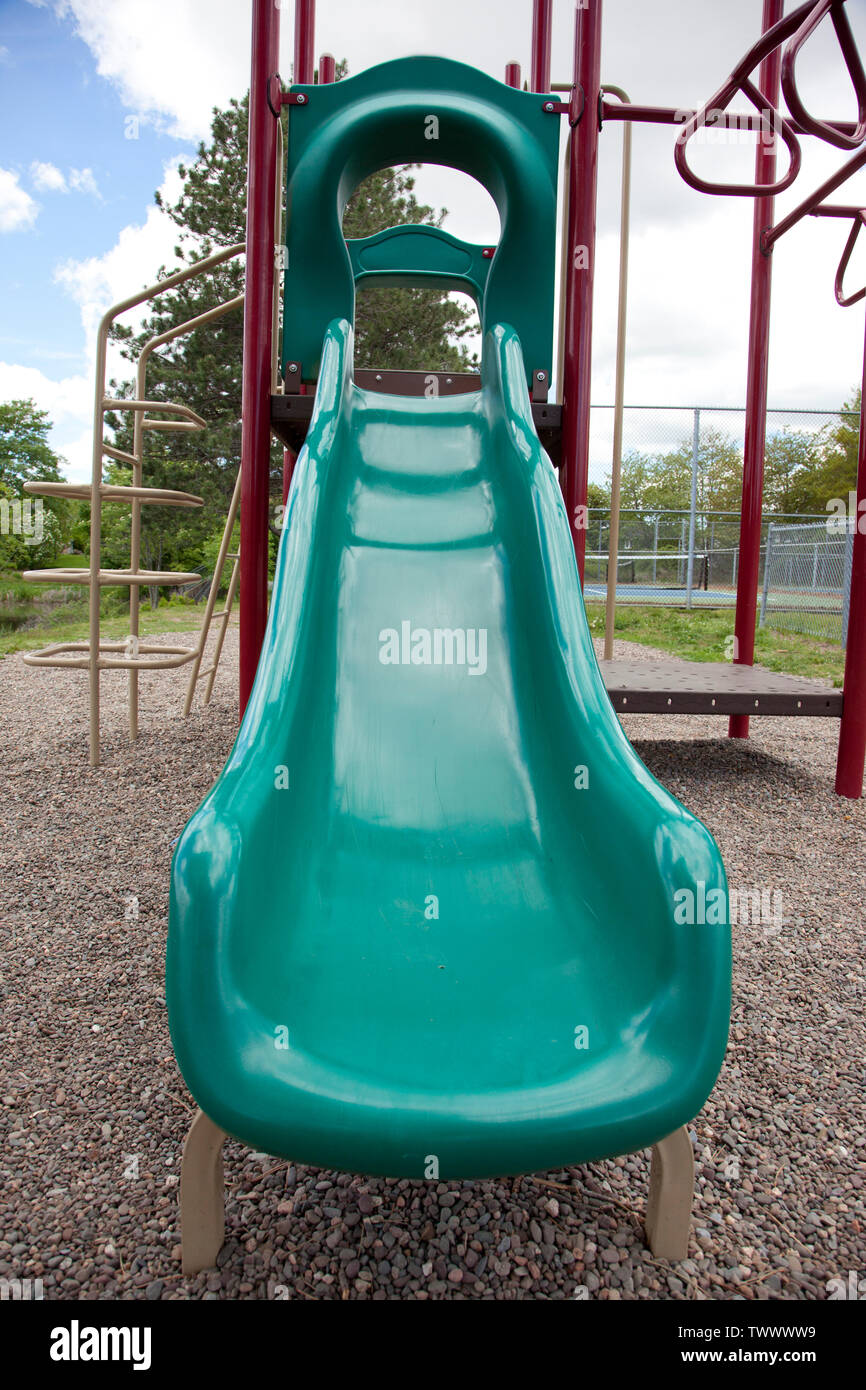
(649, 593)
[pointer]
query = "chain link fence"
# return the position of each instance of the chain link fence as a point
(807, 579)
(687, 555)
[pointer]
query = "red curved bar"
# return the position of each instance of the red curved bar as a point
(841, 298)
(768, 123)
(831, 131)
(739, 81)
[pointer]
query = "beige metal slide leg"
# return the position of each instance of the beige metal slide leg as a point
(672, 1186)
(202, 1202)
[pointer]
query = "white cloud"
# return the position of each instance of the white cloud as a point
(132, 262)
(17, 209)
(69, 403)
(95, 284)
(144, 50)
(82, 181)
(72, 397)
(47, 178)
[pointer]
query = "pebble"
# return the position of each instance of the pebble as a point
(94, 1125)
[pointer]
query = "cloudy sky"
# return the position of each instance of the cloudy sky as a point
(99, 102)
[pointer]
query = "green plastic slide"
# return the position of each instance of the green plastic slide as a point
(436, 918)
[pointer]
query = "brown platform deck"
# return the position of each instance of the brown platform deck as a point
(713, 687)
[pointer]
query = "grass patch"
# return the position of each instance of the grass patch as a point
(66, 618)
(32, 616)
(703, 634)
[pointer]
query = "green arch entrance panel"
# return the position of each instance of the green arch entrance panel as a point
(427, 110)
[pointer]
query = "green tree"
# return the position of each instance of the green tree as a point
(635, 475)
(719, 475)
(832, 471)
(32, 530)
(790, 458)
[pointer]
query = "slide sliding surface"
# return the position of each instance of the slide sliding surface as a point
(435, 917)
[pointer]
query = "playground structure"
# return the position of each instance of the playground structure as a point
(325, 1037)
(283, 405)
(133, 655)
(350, 1023)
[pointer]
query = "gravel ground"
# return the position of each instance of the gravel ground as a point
(94, 1111)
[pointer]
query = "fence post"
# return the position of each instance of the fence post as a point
(846, 580)
(693, 501)
(655, 548)
(766, 586)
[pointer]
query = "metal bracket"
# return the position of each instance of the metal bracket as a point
(292, 379)
(274, 92)
(540, 385)
(765, 246)
(294, 99)
(573, 108)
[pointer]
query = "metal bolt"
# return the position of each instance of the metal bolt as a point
(301, 99)
(378, 376)
(549, 106)
(292, 366)
(541, 376)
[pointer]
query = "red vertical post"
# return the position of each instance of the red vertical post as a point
(756, 381)
(852, 737)
(303, 70)
(305, 41)
(542, 33)
(258, 309)
(579, 269)
(512, 74)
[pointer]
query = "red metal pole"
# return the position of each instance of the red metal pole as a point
(852, 737)
(512, 74)
(258, 308)
(580, 269)
(542, 32)
(756, 384)
(303, 70)
(305, 41)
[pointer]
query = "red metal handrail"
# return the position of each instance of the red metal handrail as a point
(834, 132)
(772, 120)
(678, 115)
(858, 216)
